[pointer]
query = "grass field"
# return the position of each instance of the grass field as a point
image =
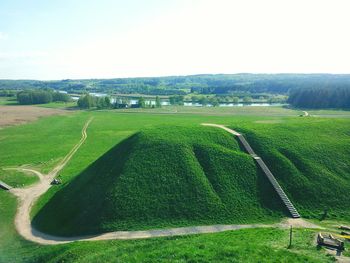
(72, 105)
(55, 105)
(308, 154)
(241, 111)
(16, 178)
(43, 143)
(8, 101)
(251, 245)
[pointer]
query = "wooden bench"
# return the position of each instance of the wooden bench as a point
(329, 241)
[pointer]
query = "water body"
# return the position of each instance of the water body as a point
(257, 104)
(150, 102)
(188, 103)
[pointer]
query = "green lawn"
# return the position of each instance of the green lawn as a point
(60, 105)
(251, 245)
(8, 101)
(241, 111)
(40, 144)
(44, 142)
(16, 178)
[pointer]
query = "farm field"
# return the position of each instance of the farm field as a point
(126, 146)
(18, 114)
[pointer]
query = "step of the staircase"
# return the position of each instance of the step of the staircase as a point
(289, 205)
(5, 186)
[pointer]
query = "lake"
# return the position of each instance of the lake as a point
(189, 103)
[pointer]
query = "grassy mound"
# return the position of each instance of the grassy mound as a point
(310, 159)
(171, 176)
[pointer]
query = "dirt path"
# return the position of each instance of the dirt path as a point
(45, 239)
(40, 175)
(222, 127)
(28, 196)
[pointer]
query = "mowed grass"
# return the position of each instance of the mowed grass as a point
(217, 111)
(109, 129)
(16, 178)
(40, 144)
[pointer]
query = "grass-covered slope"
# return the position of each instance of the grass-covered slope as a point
(311, 160)
(168, 176)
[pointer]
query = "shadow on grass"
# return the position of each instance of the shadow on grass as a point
(81, 201)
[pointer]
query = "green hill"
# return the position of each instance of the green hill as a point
(310, 159)
(170, 176)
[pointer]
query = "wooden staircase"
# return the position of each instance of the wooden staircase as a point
(293, 211)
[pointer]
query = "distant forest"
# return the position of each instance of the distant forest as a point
(305, 90)
(321, 98)
(182, 85)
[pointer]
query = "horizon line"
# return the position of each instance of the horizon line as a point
(180, 75)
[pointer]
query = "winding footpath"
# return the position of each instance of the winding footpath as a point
(27, 197)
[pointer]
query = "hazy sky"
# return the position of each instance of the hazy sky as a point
(59, 39)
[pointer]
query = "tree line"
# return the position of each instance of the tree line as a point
(88, 101)
(39, 96)
(229, 84)
(338, 97)
(8, 93)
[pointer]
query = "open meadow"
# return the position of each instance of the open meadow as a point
(174, 131)
(160, 168)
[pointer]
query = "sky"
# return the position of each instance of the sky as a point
(72, 39)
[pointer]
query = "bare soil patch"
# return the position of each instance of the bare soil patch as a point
(15, 115)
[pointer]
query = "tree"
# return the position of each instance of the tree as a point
(108, 102)
(214, 101)
(142, 103)
(176, 100)
(86, 102)
(102, 102)
(235, 99)
(194, 98)
(58, 96)
(203, 100)
(247, 99)
(158, 103)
